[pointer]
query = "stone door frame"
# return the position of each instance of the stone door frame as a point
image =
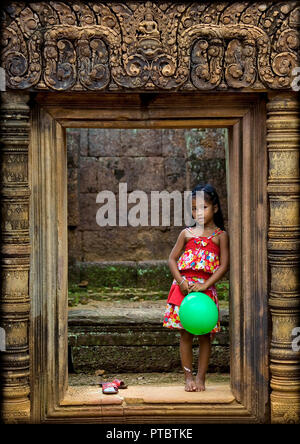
(240, 58)
(243, 115)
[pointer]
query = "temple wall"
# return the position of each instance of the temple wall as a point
(146, 160)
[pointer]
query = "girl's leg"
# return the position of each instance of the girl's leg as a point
(203, 360)
(186, 354)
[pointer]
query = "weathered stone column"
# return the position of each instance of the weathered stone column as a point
(283, 255)
(15, 248)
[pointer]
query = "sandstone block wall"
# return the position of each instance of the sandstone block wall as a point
(147, 160)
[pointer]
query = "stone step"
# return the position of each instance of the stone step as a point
(132, 338)
(139, 315)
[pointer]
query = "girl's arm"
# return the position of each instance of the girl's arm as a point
(224, 261)
(174, 255)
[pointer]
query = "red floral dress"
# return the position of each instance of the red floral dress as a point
(200, 259)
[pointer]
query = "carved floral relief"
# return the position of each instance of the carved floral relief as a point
(150, 45)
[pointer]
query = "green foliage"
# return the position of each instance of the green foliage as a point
(79, 295)
(223, 290)
(82, 295)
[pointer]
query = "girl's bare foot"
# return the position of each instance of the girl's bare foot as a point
(200, 384)
(190, 385)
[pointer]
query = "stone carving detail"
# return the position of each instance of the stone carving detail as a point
(283, 254)
(15, 258)
(145, 45)
(61, 47)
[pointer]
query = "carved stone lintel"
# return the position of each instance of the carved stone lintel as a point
(15, 306)
(147, 45)
(284, 256)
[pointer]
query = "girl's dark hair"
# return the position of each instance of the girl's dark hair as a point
(210, 195)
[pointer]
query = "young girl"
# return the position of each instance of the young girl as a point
(204, 261)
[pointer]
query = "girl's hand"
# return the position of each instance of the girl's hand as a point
(198, 287)
(184, 287)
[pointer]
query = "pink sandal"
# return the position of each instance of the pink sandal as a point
(120, 384)
(109, 388)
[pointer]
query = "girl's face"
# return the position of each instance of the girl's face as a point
(205, 215)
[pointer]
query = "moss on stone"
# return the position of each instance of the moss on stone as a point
(135, 274)
(135, 281)
(141, 359)
(109, 275)
(154, 276)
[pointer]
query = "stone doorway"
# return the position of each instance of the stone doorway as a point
(50, 118)
(77, 64)
(119, 278)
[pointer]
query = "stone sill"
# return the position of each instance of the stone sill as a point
(217, 393)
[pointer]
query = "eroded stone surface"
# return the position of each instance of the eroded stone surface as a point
(143, 159)
(216, 393)
(131, 338)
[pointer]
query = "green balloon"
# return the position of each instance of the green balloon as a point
(198, 313)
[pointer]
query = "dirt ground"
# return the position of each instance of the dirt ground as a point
(141, 378)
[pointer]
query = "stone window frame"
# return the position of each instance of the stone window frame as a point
(245, 117)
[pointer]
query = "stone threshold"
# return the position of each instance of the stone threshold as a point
(216, 393)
